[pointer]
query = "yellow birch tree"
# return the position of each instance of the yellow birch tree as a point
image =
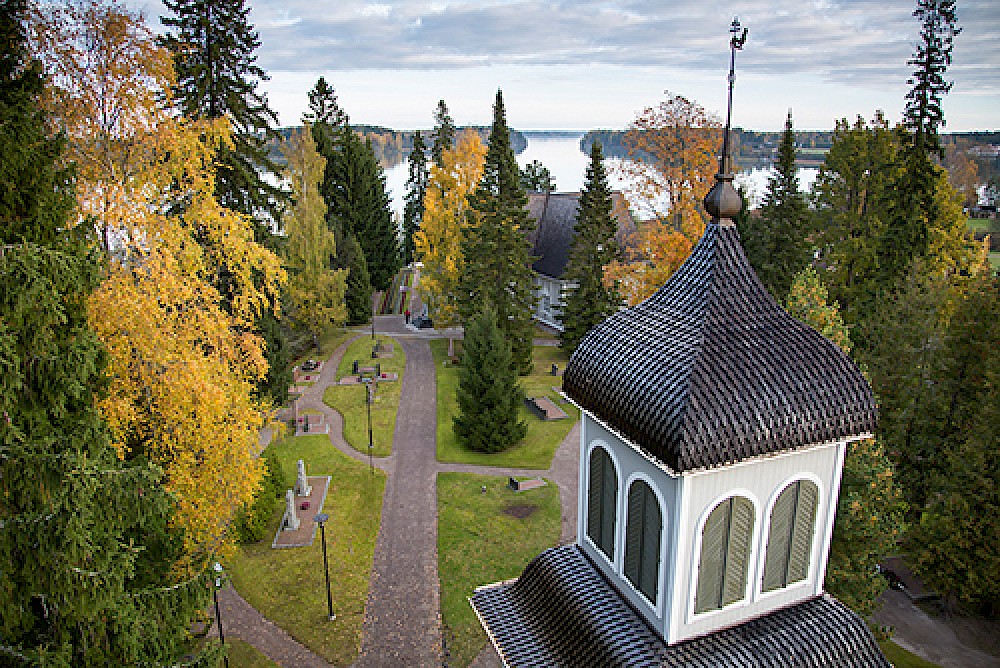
(181, 367)
(315, 290)
(438, 242)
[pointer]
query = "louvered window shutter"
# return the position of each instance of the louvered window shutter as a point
(778, 539)
(594, 495)
(710, 564)
(633, 535)
(738, 552)
(800, 549)
(609, 509)
(652, 528)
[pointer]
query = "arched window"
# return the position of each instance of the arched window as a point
(601, 498)
(725, 555)
(643, 527)
(790, 537)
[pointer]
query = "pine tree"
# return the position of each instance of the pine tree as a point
(217, 76)
(72, 591)
(777, 242)
(416, 191)
(536, 177)
(914, 218)
(495, 246)
(444, 132)
(328, 123)
(589, 300)
(489, 395)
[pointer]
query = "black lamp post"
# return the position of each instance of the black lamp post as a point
(321, 520)
(217, 567)
(374, 308)
(370, 398)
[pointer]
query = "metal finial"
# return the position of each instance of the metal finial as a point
(722, 202)
(739, 38)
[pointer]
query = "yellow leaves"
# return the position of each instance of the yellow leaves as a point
(673, 149)
(438, 241)
(181, 367)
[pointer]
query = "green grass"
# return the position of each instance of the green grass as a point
(287, 585)
(349, 400)
(542, 439)
(244, 655)
(901, 658)
(332, 338)
(995, 261)
(478, 543)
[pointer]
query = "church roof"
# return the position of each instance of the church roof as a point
(563, 612)
(710, 370)
(555, 217)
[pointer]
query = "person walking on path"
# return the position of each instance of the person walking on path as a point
(407, 314)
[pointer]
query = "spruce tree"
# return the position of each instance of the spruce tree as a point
(489, 395)
(416, 189)
(328, 121)
(914, 215)
(358, 298)
(777, 241)
(444, 133)
(76, 587)
(588, 301)
(495, 246)
(536, 177)
(359, 206)
(217, 76)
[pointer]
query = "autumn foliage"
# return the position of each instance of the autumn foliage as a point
(182, 364)
(673, 149)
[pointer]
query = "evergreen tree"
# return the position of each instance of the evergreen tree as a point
(416, 190)
(777, 242)
(324, 107)
(359, 288)
(870, 509)
(489, 395)
(536, 177)
(495, 246)
(444, 133)
(360, 207)
(217, 76)
(328, 122)
(589, 301)
(73, 587)
(914, 215)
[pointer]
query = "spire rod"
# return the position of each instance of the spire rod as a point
(739, 38)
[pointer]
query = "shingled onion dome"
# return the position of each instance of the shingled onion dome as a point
(710, 370)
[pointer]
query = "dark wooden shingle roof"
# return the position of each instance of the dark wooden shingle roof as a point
(555, 226)
(562, 612)
(710, 370)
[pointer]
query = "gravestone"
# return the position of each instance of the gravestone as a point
(290, 521)
(302, 487)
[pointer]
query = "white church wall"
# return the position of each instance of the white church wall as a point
(548, 300)
(630, 466)
(760, 481)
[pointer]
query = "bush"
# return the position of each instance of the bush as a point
(251, 521)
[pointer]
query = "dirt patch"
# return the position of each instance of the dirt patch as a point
(520, 510)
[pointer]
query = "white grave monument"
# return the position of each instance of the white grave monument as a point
(290, 521)
(302, 486)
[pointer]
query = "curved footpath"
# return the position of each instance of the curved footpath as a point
(402, 624)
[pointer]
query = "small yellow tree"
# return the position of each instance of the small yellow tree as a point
(316, 291)
(439, 241)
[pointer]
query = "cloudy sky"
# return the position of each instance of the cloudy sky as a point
(584, 64)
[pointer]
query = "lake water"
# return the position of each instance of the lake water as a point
(568, 165)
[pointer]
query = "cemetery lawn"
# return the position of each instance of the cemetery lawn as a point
(479, 543)
(349, 400)
(287, 585)
(543, 437)
(244, 655)
(901, 658)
